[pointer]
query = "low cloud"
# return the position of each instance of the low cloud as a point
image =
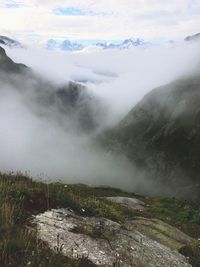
(37, 136)
(119, 78)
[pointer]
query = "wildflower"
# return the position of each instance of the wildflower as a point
(113, 231)
(102, 225)
(83, 210)
(65, 186)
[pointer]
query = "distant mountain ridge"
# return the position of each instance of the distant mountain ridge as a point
(126, 44)
(67, 45)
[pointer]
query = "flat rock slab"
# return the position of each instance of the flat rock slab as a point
(124, 245)
(131, 203)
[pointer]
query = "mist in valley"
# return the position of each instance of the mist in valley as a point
(41, 136)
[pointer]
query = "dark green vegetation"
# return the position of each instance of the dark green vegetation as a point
(161, 135)
(21, 197)
(193, 252)
(6, 64)
(182, 214)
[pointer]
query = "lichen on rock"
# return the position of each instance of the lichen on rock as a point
(105, 242)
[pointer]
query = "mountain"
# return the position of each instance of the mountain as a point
(195, 37)
(129, 43)
(71, 46)
(75, 46)
(69, 101)
(51, 44)
(161, 136)
(9, 66)
(10, 42)
(126, 44)
(65, 45)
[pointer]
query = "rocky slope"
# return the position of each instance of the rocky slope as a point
(161, 135)
(74, 225)
(139, 242)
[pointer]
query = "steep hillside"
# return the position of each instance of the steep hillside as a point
(6, 64)
(162, 136)
(68, 100)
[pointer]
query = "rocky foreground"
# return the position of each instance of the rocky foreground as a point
(138, 242)
(74, 225)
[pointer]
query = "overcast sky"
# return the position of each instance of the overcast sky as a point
(99, 19)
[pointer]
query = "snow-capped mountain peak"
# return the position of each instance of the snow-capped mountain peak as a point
(67, 45)
(132, 42)
(71, 46)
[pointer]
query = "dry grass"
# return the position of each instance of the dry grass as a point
(21, 197)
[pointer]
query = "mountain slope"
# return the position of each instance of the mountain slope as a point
(162, 135)
(57, 103)
(195, 37)
(6, 64)
(4, 40)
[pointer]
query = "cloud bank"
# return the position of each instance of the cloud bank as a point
(119, 77)
(37, 136)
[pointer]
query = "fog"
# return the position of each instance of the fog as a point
(119, 77)
(37, 136)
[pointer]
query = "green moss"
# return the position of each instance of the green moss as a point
(182, 214)
(192, 253)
